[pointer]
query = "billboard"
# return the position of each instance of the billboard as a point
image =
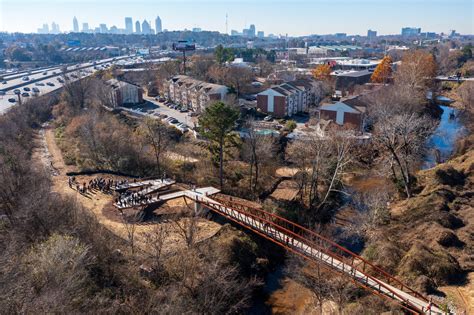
(184, 46)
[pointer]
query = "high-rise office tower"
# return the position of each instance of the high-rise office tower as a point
(54, 28)
(128, 25)
(371, 34)
(75, 25)
(251, 32)
(44, 29)
(158, 26)
(411, 31)
(85, 27)
(146, 29)
(103, 28)
(138, 28)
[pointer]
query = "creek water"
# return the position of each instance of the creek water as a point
(440, 147)
(443, 141)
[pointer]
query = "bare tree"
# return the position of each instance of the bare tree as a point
(341, 291)
(257, 149)
(76, 91)
(321, 163)
(156, 135)
(187, 227)
(155, 241)
(466, 94)
(314, 278)
(130, 227)
(403, 137)
(371, 212)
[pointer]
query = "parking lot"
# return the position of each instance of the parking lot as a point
(154, 108)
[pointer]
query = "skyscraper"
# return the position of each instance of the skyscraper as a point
(158, 26)
(138, 29)
(371, 34)
(54, 28)
(103, 28)
(85, 27)
(146, 29)
(128, 25)
(251, 32)
(75, 25)
(44, 29)
(411, 31)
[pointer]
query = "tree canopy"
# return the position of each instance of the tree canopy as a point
(383, 71)
(322, 72)
(216, 124)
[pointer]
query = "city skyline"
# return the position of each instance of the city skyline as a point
(387, 17)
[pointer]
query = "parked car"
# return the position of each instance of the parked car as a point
(16, 91)
(268, 118)
(2, 92)
(192, 114)
(25, 78)
(12, 100)
(50, 84)
(163, 116)
(25, 94)
(161, 99)
(27, 89)
(35, 89)
(39, 84)
(45, 73)
(4, 82)
(183, 110)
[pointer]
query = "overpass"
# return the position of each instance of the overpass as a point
(313, 247)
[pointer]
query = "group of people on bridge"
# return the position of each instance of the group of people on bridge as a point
(131, 199)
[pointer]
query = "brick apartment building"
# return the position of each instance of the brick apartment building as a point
(192, 93)
(289, 98)
(349, 113)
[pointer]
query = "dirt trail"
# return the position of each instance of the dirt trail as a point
(463, 296)
(52, 158)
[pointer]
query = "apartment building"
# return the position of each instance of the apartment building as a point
(349, 113)
(124, 93)
(192, 93)
(289, 98)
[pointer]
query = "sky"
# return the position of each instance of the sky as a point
(292, 17)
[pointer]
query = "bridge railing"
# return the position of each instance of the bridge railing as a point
(312, 243)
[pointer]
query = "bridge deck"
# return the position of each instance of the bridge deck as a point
(206, 191)
(298, 245)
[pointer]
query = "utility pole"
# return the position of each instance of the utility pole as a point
(184, 46)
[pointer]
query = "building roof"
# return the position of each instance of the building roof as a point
(114, 83)
(353, 74)
(356, 103)
(190, 83)
(289, 88)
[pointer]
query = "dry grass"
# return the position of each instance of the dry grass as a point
(97, 202)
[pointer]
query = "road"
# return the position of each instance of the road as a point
(446, 78)
(83, 69)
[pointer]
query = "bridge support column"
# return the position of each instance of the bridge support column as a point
(199, 210)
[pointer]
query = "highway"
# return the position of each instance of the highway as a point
(40, 81)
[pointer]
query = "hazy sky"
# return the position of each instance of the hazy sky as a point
(295, 17)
